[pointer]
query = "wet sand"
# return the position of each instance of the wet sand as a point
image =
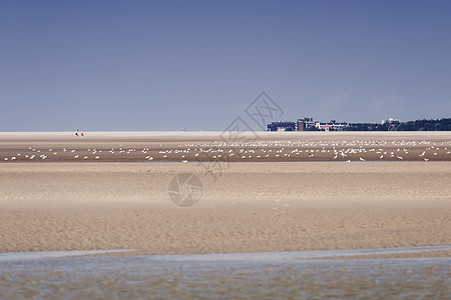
(225, 146)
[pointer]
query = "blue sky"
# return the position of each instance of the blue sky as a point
(169, 65)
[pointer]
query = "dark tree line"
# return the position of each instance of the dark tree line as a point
(418, 125)
(426, 125)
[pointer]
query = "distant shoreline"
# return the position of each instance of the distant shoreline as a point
(213, 133)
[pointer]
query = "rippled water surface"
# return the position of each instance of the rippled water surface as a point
(229, 276)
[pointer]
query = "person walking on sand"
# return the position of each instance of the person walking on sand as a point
(76, 133)
(82, 133)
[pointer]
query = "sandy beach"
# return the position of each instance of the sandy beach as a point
(244, 206)
(225, 150)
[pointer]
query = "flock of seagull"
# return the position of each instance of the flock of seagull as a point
(356, 150)
(325, 150)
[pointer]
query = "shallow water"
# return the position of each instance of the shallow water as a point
(266, 275)
(20, 256)
(294, 255)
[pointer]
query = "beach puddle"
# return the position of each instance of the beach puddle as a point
(295, 255)
(302, 274)
(20, 256)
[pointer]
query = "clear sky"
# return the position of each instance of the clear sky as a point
(169, 65)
